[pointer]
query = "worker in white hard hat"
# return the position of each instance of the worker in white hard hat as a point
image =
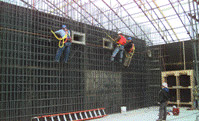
(163, 101)
(121, 41)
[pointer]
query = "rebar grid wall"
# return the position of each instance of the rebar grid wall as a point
(174, 54)
(32, 84)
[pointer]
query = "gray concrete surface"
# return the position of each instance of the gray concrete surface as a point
(151, 114)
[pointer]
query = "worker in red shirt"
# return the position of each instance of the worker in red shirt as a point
(121, 41)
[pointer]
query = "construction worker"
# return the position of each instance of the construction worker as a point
(129, 46)
(163, 101)
(121, 41)
(67, 43)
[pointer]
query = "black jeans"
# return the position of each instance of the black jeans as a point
(163, 111)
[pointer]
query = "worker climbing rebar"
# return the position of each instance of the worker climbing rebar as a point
(121, 41)
(67, 41)
(129, 48)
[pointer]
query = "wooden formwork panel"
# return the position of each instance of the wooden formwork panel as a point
(180, 81)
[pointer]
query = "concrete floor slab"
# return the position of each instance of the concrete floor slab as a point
(151, 114)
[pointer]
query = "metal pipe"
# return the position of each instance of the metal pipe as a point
(196, 67)
(185, 13)
(134, 21)
(62, 6)
(119, 18)
(180, 19)
(166, 19)
(197, 20)
(27, 3)
(96, 21)
(150, 21)
(184, 55)
(103, 14)
(80, 13)
(160, 20)
(153, 19)
(128, 3)
(63, 13)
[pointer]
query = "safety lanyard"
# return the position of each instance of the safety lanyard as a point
(129, 55)
(61, 40)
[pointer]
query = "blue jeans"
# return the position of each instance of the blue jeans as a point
(60, 50)
(117, 49)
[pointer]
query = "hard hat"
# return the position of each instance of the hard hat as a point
(129, 38)
(119, 32)
(164, 84)
(64, 26)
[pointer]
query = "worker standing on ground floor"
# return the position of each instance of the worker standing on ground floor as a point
(121, 41)
(64, 34)
(163, 101)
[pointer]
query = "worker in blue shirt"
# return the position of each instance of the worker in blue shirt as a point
(67, 43)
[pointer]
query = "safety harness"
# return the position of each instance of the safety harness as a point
(61, 40)
(130, 53)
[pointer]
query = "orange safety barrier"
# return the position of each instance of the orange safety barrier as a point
(73, 116)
